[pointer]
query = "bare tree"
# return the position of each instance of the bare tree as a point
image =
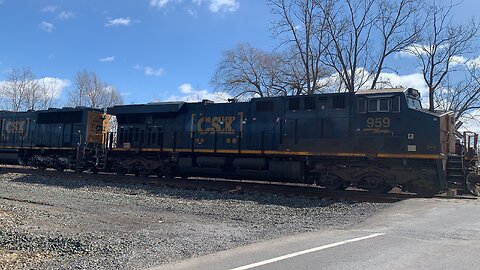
(462, 96)
(110, 97)
(49, 90)
(352, 37)
(349, 27)
(248, 71)
(19, 85)
(23, 91)
(399, 26)
(443, 42)
(301, 25)
(90, 91)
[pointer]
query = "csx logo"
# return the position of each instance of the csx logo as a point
(218, 124)
(15, 126)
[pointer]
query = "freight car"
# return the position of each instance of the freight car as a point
(56, 138)
(372, 139)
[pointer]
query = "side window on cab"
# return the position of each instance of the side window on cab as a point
(391, 104)
(383, 105)
(372, 105)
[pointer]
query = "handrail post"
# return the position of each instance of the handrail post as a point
(215, 142)
(239, 142)
(192, 135)
(262, 145)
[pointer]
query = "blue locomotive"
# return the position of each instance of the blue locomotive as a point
(372, 139)
(67, 138)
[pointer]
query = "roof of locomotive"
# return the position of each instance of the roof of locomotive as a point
(176, 106)
(381, 91)
(154, 107)
(51, 110)
(69, 109)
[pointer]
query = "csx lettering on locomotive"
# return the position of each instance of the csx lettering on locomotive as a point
(17, 126)
(218, 124)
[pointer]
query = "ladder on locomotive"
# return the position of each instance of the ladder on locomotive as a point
(463, 162)
(108, 143)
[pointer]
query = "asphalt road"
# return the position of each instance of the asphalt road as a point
(413, 234)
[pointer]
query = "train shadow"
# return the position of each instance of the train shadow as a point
(154, 187)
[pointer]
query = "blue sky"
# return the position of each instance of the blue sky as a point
(148, 49)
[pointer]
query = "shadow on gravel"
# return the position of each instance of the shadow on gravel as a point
(124, 184)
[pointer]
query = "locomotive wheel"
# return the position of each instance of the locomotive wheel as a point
(164, 171)
(94, 170)
(332, 182)
(374, 184)
(140, 170)
(119, 169)
(472, 182)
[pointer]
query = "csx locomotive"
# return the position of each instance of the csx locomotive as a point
(371, 139)
(67, 138)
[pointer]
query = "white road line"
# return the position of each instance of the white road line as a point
(276, 259)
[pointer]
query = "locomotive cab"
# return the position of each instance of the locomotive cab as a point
(432, 135)
(391, 125)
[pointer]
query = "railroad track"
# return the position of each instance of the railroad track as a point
(234, 186)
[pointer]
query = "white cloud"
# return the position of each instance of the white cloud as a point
(472, 124)
(65, 15)
(119, 22)
(414, 80)
(54, 86)
(49, 9)
(159, 3)
(473, 63)
(189, 94)
(107, 59)
(416, 49)
(186, 88)
(149, 71)
(46, 26)
(192, 12)
(422, 50)
(458, 60)
(386, 80)
(213, 5)
(223, 5)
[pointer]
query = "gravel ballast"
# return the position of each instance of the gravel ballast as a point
(78, 221)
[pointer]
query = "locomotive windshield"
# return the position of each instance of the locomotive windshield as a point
(414, 103)
(413, 99)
